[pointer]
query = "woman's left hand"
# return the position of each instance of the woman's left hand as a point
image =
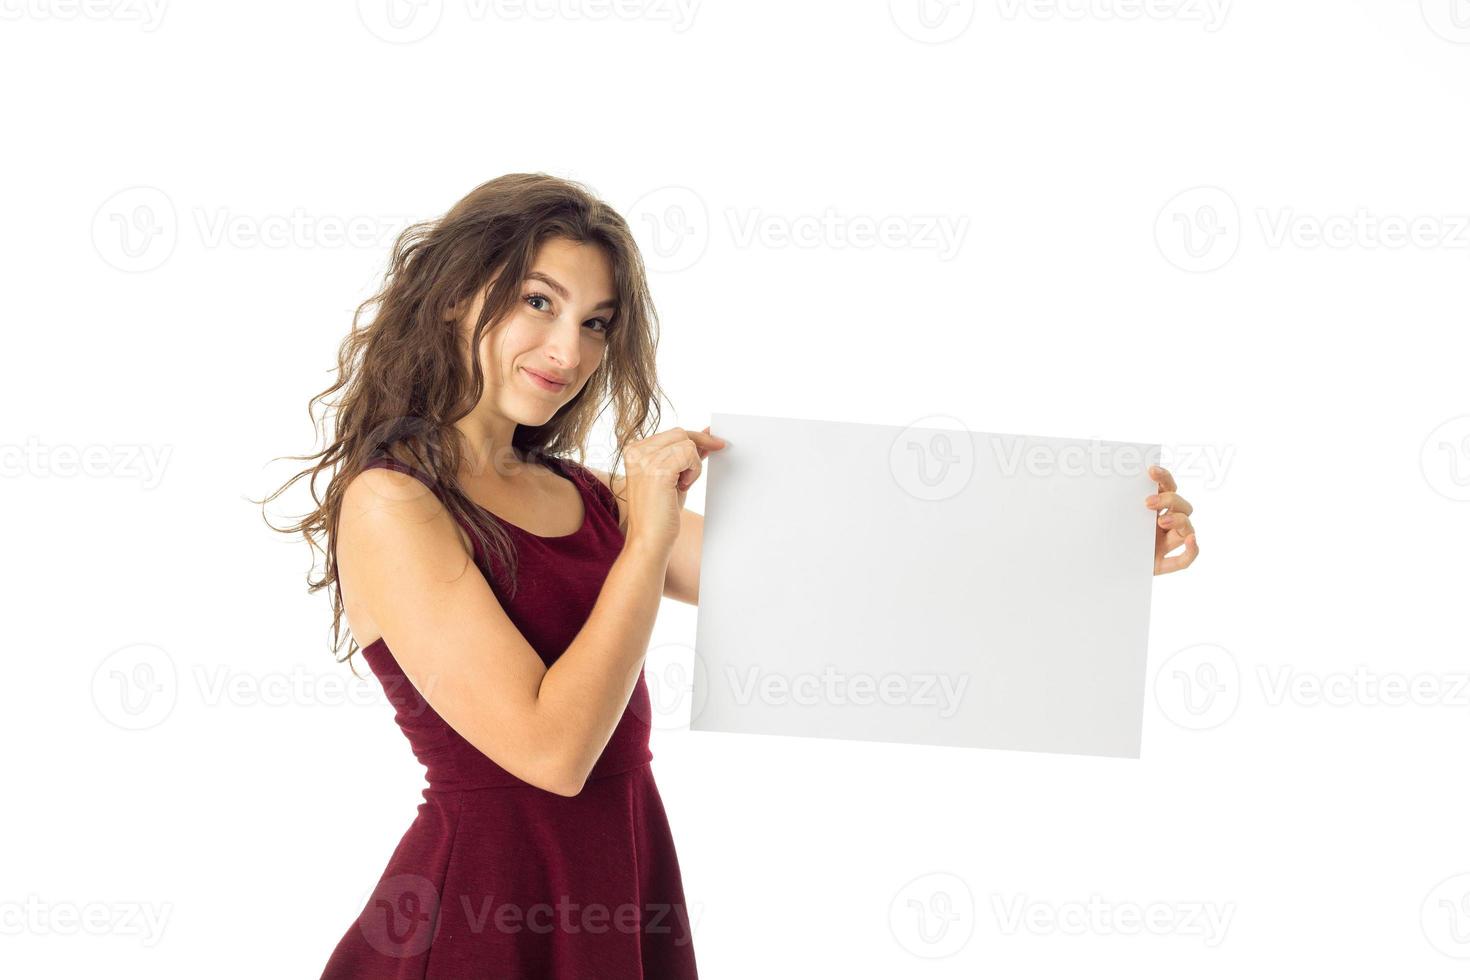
(1174, 526)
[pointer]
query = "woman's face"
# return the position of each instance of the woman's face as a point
(556, 332)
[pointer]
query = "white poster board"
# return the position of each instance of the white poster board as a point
(930, 585)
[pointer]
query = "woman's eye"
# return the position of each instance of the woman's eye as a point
(533, 297)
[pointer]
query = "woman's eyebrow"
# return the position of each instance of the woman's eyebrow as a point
(560, 290)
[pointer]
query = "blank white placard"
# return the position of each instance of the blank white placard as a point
(924, 584)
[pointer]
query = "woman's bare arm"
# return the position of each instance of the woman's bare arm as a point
(405, 560)
(681, 581)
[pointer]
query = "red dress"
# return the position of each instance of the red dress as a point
(497, 878)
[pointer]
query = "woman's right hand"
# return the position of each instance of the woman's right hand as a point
(661, 469)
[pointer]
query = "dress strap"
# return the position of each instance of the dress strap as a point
(393, 463)
(584, 478)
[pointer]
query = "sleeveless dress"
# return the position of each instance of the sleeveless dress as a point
(497, 878)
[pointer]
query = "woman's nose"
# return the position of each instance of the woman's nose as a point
(564, 346)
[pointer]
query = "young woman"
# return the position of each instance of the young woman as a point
(541, 848)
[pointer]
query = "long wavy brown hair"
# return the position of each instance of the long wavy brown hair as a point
(404, 379)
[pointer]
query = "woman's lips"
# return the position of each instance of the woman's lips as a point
(543, 383)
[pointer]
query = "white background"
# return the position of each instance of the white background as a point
(1136, 191)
